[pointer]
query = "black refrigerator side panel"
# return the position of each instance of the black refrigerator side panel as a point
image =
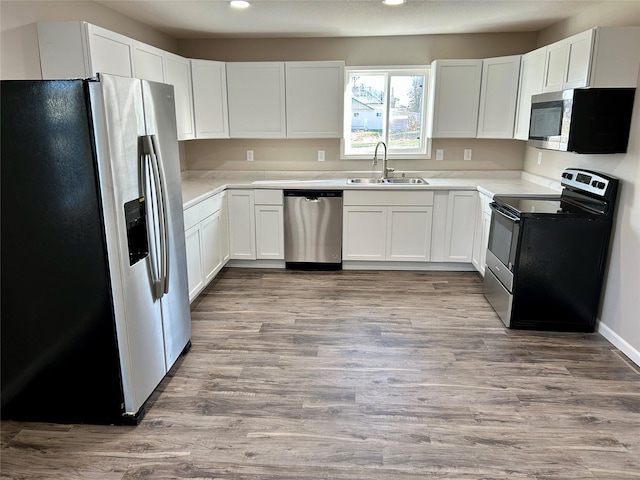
(559, 273)
(59, 349)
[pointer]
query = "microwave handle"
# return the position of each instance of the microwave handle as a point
(496, 208)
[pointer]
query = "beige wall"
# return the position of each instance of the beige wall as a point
(19, 57)
(621, 301)
(408, 50)
(359, 51)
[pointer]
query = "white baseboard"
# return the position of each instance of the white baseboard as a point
(620, 343)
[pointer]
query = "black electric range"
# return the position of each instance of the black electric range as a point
(547, 255)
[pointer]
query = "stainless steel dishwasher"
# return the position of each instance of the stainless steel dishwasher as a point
(313, 229)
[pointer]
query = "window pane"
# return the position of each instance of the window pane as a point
(367, 108)
(405, 111)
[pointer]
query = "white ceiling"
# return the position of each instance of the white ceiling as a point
(345, 18)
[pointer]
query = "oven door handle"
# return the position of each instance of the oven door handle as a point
(496, 208)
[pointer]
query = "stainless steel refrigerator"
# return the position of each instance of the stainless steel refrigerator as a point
(94, 306)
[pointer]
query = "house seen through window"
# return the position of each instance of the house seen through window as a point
(386, 104)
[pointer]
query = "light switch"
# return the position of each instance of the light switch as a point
(321, 155)
(439, 154)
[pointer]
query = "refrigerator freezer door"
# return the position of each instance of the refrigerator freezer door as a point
(119, 124)
(160, 120)
(59, 356)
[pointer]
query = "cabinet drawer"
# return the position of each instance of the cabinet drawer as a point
(267, 197)
(201, 210)
(209, 206)
(192, 216)
(396, 197)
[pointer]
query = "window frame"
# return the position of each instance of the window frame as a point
(388, 71)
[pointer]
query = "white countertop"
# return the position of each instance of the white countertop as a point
(198, 187)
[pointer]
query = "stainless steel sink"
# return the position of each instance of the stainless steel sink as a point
(388, 181)
(408, 180)
(365, 180)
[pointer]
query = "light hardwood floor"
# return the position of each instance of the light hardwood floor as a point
(360, 375)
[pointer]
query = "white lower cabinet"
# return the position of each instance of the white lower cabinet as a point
(193, 244)
(364, 232)
(269, 215)
(211, 253)
(481, 237)
(205, 237)
(387, 226)
(409, 233)
(454, 220)
(242, 225)
(460, 226)
(224, 227)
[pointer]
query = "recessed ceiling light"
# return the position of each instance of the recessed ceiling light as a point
(393, 2)
(239, 4)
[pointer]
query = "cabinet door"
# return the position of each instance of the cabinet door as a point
(409, 233)
(269, 232)
(498, 97)
(531, 78)
(315, 98)
(481, 235)
(178, 74)
(109, 52)
(211, 254)
(195, 275)
(555, 66)
(62, 49)
(211, 116)
(460, 227)
(454, 98)
(224, 228)
(242, 233)
(486, 225)
(364, 231)
(148, 62)
(256, 92)
(579, 48)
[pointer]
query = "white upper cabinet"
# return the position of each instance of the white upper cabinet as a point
(454, 98)
(554, 66)
(285, 99)
(498, 97)
(148, 62)
(314, 99)
(531, 79)
(256, 94)
(178, 73)
(600, 57)
(79, 50)
(209, 80)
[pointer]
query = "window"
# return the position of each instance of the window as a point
(389, 105)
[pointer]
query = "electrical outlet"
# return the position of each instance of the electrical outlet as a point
(249, 155)
(467, 154)
(439, 154)
(321, 155)
(539, 158)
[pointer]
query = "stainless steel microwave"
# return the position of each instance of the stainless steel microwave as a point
(584, 120)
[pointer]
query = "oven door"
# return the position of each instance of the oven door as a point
(501, 252)
(503, 235)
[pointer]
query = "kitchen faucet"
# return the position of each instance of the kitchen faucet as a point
(385, 170)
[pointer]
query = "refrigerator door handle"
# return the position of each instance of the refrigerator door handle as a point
(153, 165)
